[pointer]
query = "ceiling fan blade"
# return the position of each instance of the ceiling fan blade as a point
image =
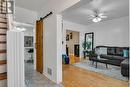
(103, 16)
(90, 19)
(100, 14)
(92, 16)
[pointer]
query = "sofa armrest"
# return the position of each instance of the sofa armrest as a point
(92, 54)
(125, 63)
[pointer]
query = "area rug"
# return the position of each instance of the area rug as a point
(112, 71)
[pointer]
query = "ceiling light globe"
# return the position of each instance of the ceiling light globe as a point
(97, 19)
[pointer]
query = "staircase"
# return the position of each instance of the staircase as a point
(3, 67)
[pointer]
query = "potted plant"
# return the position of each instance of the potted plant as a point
(86, 46)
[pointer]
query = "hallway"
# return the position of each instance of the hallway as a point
(76, 77)
(35, 79)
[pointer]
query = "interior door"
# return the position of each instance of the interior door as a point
(39, 46)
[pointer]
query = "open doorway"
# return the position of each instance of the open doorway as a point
(72, 46)
(29, 50)
(94, 42)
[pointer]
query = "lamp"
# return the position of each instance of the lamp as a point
(96, 19)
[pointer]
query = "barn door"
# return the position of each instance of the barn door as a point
(39, 46)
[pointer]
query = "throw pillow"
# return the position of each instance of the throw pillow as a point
(119, 51)
(125, 53)
(111, 51)
(103, 50)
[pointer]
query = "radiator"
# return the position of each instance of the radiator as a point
(15, 59)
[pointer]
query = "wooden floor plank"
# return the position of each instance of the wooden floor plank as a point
(77, 77)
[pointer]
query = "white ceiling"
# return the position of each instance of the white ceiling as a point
(80, 13)
(34, 5)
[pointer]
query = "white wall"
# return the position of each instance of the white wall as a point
(111, 33)
(50, 47)
(67, 25)
(25, 16)
(53, 37)
(129, 32)
(29, 32)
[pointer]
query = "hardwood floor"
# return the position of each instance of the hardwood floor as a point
(76, 77)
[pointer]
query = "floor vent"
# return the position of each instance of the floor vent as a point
(49, 71)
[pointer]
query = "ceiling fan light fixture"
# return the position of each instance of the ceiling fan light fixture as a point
(100, 14)
(96, 19)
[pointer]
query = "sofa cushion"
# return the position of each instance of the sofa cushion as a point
(106, 56)
(119, 51)
(111, 50)
(112, 57)
(118, 58)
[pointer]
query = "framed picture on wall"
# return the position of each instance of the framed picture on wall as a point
(67, 37)
(28, 41)
(71, 35)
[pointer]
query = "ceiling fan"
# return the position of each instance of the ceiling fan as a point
(97, 11)
(97, 16)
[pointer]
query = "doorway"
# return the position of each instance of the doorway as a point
(29, 50)
(73, 46)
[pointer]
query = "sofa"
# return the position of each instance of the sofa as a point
(118, 56)
(114, 55)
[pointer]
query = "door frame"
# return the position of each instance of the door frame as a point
(65, 29)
